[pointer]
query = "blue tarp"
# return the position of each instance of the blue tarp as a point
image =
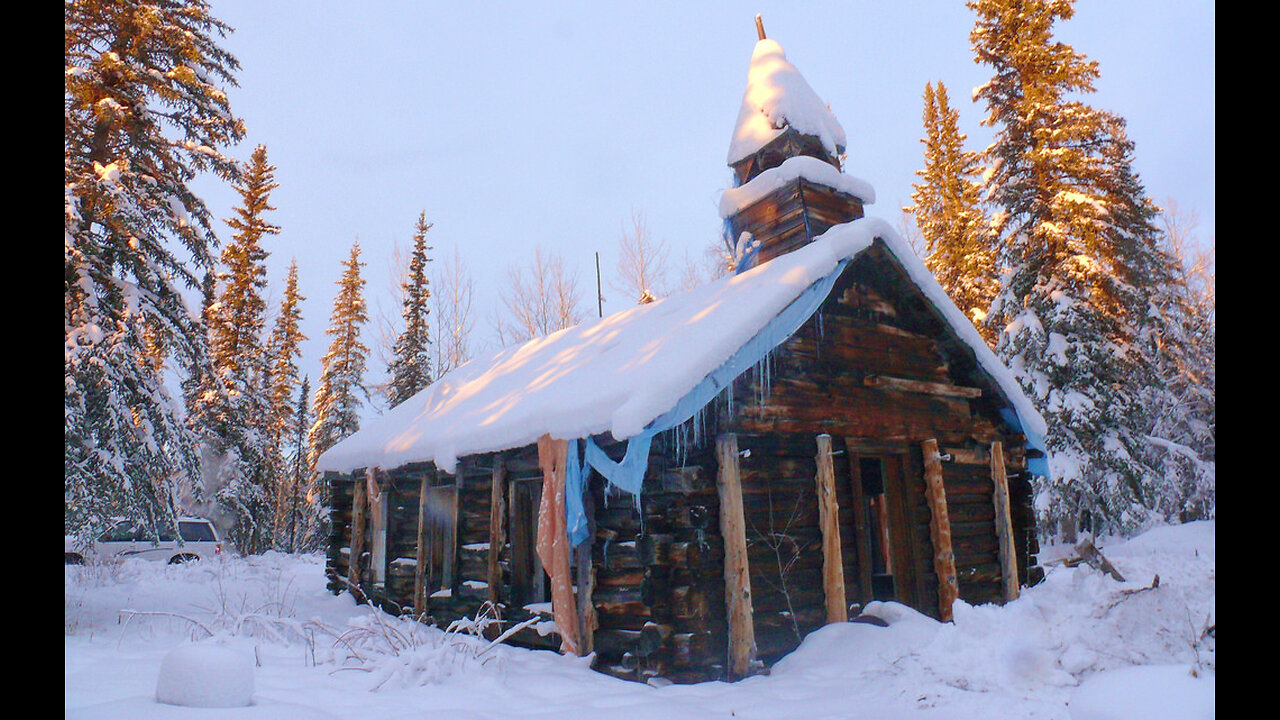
(1037, 466)
(628, 475)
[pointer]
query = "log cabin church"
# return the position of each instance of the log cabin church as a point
(688, 487)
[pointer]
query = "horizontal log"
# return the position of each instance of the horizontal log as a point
(890, 382)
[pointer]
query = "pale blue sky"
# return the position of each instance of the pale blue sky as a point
(517, 125)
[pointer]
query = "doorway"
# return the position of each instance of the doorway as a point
(884, 554)
(529, 583)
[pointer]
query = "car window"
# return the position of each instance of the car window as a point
(121, 532)
(196, 531)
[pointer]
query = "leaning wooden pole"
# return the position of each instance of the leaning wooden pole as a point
(1004, 524)
(829, 516)
(944, 560)
(737, 574)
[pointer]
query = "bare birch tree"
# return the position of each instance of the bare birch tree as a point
(386, 322)
(539, 300)
(910, 232)
(642, 262)
(1197, 262)
(452, 309)
(711, 264)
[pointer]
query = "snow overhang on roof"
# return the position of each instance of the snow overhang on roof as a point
(735, 200)
(620, 373)
(777, 97)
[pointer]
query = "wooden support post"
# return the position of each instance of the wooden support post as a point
(553, 540)
(587, 620)
(860, 524)
(358, 511)
(829, 513)
(944, 560)
(737, 575)
(423, 558)
(1004, 524)
(497, 517)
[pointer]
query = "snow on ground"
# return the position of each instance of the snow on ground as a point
(1079, 646)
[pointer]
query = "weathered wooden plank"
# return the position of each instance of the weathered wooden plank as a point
(586, 574)
(449, 578)
(378, 502)
(359, 511)
(497, 522)
(919, 386)
(737, 574)
(860, 523)
(832, 560)
(520, 502)
(940, 530)
(1004, 524)
(423, 557)
(898, 491)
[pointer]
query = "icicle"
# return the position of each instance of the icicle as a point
(681, 440)
(763, 373)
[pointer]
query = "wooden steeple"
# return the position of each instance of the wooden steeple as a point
(782, 118)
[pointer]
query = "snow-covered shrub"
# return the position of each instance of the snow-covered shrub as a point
(402, 652)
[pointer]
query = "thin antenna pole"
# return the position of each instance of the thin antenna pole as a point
(759, 27)
(599, 294)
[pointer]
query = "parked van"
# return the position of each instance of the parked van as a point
(124, 540)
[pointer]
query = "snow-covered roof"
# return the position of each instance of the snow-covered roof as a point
(776, 97)
(619, 373)
(734, 200)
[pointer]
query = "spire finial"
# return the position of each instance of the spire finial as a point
(759, 26)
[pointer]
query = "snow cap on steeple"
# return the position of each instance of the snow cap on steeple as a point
(778, 97)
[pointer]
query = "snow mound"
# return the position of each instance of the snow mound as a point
(1145, 692)
(777, 96)
(208, 676)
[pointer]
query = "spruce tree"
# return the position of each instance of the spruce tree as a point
(337, 402)
(303, 502)
(1179, 406)
(233, 419)
(144, 113)
(410, 368)
(237, 336)
(1081, 263)
(948, 211)
(283, 351)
